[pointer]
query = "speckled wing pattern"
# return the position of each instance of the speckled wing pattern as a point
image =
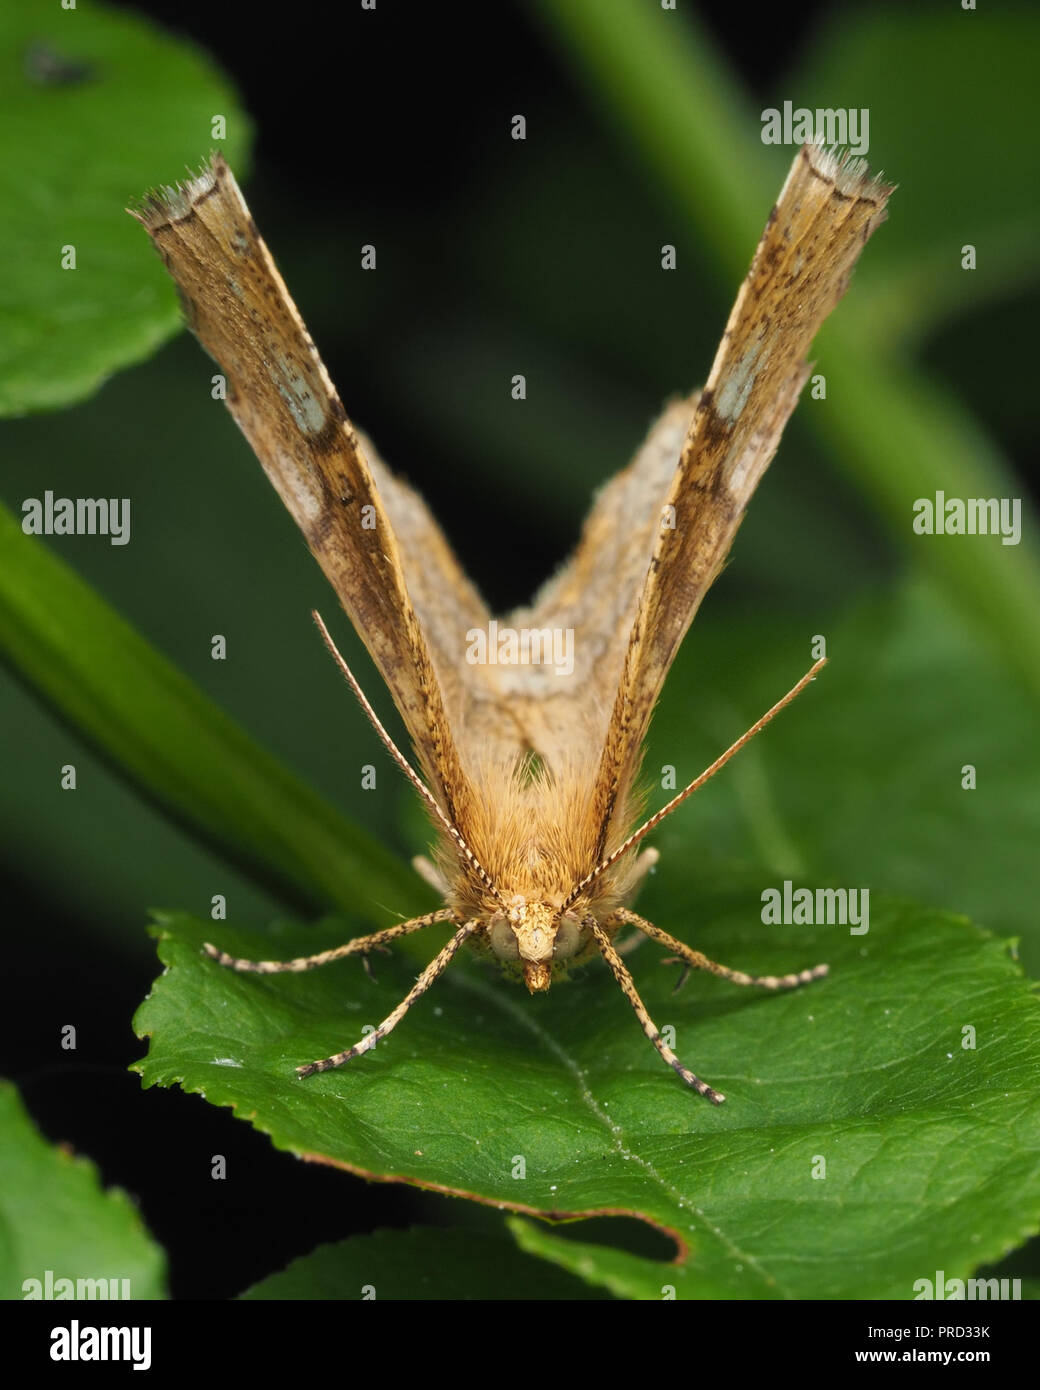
(827, 210)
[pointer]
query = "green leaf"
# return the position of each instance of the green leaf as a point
(626, 1275)
(76, 85)
(55, 1216)
(422, 1263)
(931, 1149)
(184, 752)
(863, 780)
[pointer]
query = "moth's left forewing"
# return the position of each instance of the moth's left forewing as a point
(826, 211)
(282, 399)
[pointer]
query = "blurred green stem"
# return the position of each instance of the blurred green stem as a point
(154, 726)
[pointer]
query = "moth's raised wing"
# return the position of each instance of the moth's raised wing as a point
(281, 397)
(448, 607)
(661, 529)
(826, 211)
(594, 596)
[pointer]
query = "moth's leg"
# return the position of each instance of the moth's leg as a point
(644, 864)
(358, 946)
(422, 984)
(695, 960)
(429, 872)
(624, 979)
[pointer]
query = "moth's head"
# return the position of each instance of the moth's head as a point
(536, 933)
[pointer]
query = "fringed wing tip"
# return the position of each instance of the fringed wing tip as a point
(850, 175)
(171, 203)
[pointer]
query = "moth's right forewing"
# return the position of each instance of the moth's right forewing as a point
(824, 215)
(281, 397)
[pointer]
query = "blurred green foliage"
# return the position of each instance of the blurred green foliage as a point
(420, 1264)
(56, 1218)
(97, 106)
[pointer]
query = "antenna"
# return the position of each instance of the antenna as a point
(705, 776)
(402, 762)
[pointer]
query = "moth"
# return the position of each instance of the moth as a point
(529, 773)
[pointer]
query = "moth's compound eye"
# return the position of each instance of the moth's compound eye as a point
(568, 936)
(503, 939)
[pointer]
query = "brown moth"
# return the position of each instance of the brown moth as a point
(529, 774)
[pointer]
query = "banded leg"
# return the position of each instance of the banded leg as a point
(646, 861)
(644, 864)
(696, 960)
(358, 946)
(436, 967)
(624, 979)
